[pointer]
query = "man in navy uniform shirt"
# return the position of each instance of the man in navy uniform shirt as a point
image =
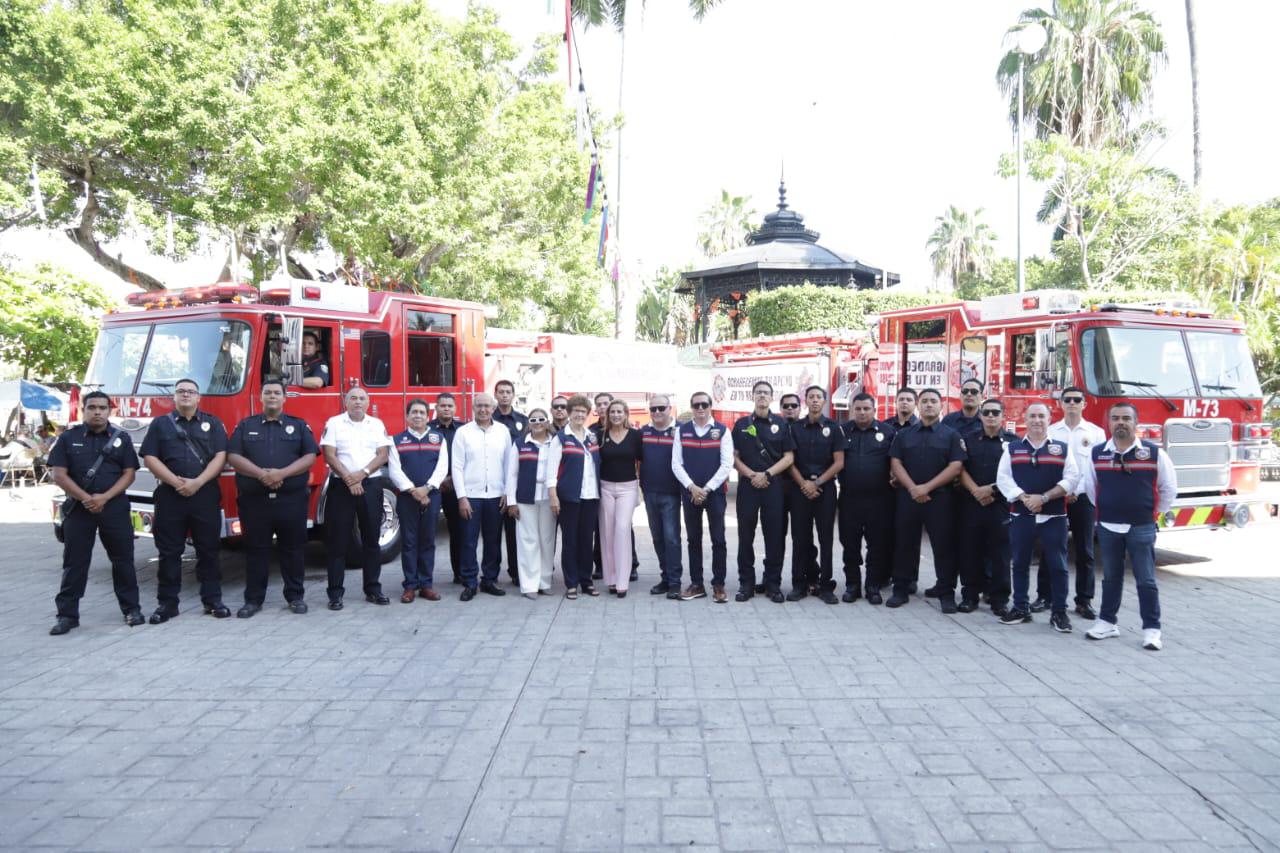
(866, 501)
(926, 458)
(186, 450)
(94, 463)
(966, 420)
(763, 448)
(504, 391)
(272, 454)
(662, 493)
(819, 457)
(315, 369)
(984, 515)
(447, 425)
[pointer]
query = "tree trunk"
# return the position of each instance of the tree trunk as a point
(1195, 92)
(82, 236)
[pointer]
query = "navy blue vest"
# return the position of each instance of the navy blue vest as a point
(1127, 486)
(1038, 471)
(569, 477)
(527, 453)
(656, 475)
(701, 456)
(418, 456)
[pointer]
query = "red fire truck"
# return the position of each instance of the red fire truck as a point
(230, 337)
(1189, 374)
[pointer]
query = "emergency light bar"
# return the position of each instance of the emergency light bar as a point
(208, 294)
(1032, 303)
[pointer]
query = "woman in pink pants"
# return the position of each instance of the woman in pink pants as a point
(620, 448)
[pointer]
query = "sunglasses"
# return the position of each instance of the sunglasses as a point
(657, 409)
(701, 405)
(970, 392)
(991, 413)
(790, 405)
(1073, 399)
(537, 420)
(560, 408)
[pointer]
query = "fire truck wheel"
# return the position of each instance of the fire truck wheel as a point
(388, 541)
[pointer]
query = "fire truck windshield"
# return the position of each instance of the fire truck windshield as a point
(1117, 360)
(212, 352)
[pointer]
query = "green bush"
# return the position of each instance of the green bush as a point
(808, 307)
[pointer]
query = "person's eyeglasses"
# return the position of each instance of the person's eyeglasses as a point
(560, 408)
(701, 405)
(186, 391)
(969, 392)
(1073, 399)
(657, 409)
(790, 405)
(537, 420)
(991, 413)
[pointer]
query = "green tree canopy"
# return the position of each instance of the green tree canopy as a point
(725, 224)
(960, 243)
(50, 321)
(411, 144)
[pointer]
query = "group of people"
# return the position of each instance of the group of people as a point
(986, 497)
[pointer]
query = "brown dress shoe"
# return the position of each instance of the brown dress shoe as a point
(408, 596)
(429, 594)
(718, 595)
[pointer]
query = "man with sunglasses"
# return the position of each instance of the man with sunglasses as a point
(559, 413)
(185, 451)
(701, 459)
(1129, 481)
(791, 407)
(1082, 437)
(984, 515)
(763, 448)
(1036, 474)
(966, 420)
(662, 494)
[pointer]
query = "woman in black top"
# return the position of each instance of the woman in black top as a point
(619, 495)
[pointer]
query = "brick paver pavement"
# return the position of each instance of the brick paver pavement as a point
(644, 723)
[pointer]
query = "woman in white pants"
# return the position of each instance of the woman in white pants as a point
(528, 503)
(620, 450)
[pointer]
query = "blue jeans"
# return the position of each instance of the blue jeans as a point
(418, 532)
(486, 522)
(1023, 533)
(1140, 544)
(663, 509)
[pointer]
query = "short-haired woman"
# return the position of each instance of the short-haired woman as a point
(573, 489)
(528, 504)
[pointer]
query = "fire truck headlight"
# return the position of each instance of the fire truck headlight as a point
(1168, 518)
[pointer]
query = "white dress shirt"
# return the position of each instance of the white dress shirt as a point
(1012, 491)
(726, 458)
(401, 480)
(1166, 484)
(590, 479)
(479, 461)
(356, 442)
(513, 472)
(1081, 438)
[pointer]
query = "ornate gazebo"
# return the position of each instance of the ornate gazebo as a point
(782, 252)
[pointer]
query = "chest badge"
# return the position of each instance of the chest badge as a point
(773, 428)
(1084, 442)
(433, 438)
(715, 433)
(1142, 453)
(1055, 450)
(204, 426)
(826, 432)
(879, 436)
(519, 425)
(116, 443)
(288, 430)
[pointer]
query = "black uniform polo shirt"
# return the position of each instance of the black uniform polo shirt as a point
(816, 445)
(926, 450)
(272, 444)
(164, 441)
(772, 434)
(866, 457)
(78, 448)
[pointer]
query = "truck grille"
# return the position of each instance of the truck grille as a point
(1200, 449)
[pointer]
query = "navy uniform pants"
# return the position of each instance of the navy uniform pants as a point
(910, 518)
(578, 522)
(201, 514)
(114, 528)
(866, 516)
(810, 566)
(1081, 517)
(418, 525)
(984, 550)
(714, 507)
(342, 511)
(766, 508)
(453, 522)
(282, 516)
(1052, 535)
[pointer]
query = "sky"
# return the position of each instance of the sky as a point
(883, 113)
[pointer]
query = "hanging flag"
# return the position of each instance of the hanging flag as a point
(591, 184)
(604, 235)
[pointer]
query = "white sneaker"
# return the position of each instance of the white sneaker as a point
(1151, 639)
(1104, 630)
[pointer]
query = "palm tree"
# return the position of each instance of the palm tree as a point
(596, 13)
(960, 243)
(1195, 93)
(725, 224)
(1092, 79)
